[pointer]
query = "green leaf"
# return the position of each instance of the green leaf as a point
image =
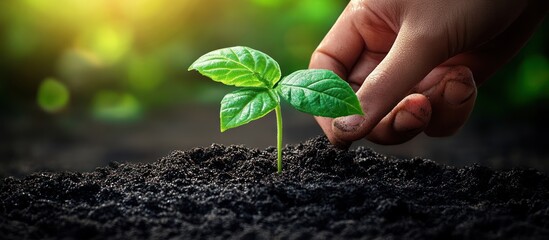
(245, 105)
(239, 66)
(319, 92)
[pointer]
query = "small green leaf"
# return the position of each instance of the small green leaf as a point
(239, 66)
(319, 92)
(245, 105)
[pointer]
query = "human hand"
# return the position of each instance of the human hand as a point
(415, 65)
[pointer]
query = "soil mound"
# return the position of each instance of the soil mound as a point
(226, 192)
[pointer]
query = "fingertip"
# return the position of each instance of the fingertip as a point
(348, 124)
(460, 86)
(414, 115)
(327, 127)
(350, 128)
(409, 118)
(453, 100)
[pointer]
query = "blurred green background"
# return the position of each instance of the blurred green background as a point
(104, 80)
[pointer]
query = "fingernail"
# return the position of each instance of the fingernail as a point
(407, 122)
(349, 123)
(431, 91)
(456, 92)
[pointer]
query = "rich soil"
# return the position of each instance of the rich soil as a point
(235, 192)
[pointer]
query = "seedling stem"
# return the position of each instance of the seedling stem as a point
(279, 137)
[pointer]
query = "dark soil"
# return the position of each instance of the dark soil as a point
(235, 192)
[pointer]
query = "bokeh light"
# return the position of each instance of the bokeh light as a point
(114, 106)
(109, 43)
(533, 73)
(145, 73)
(52, 95)
(143, 47)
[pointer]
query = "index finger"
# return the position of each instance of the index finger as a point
(340, 48)
(338, 51)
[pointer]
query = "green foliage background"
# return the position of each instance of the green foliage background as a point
(119, 59)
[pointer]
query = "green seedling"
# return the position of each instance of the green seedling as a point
(314, 91)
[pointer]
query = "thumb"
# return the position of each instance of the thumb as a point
(413, 55)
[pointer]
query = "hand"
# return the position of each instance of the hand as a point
(415, 65)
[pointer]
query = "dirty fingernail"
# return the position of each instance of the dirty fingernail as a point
(349, 123)
(407, 122)
(456, 92)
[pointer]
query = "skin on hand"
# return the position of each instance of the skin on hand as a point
(416, 65)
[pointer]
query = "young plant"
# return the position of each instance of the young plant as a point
(315, 91)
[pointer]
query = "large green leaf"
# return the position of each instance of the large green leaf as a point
(239, 66)
(245, 105)
(319, 92)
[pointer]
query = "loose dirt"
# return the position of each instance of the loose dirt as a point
(224, 192)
